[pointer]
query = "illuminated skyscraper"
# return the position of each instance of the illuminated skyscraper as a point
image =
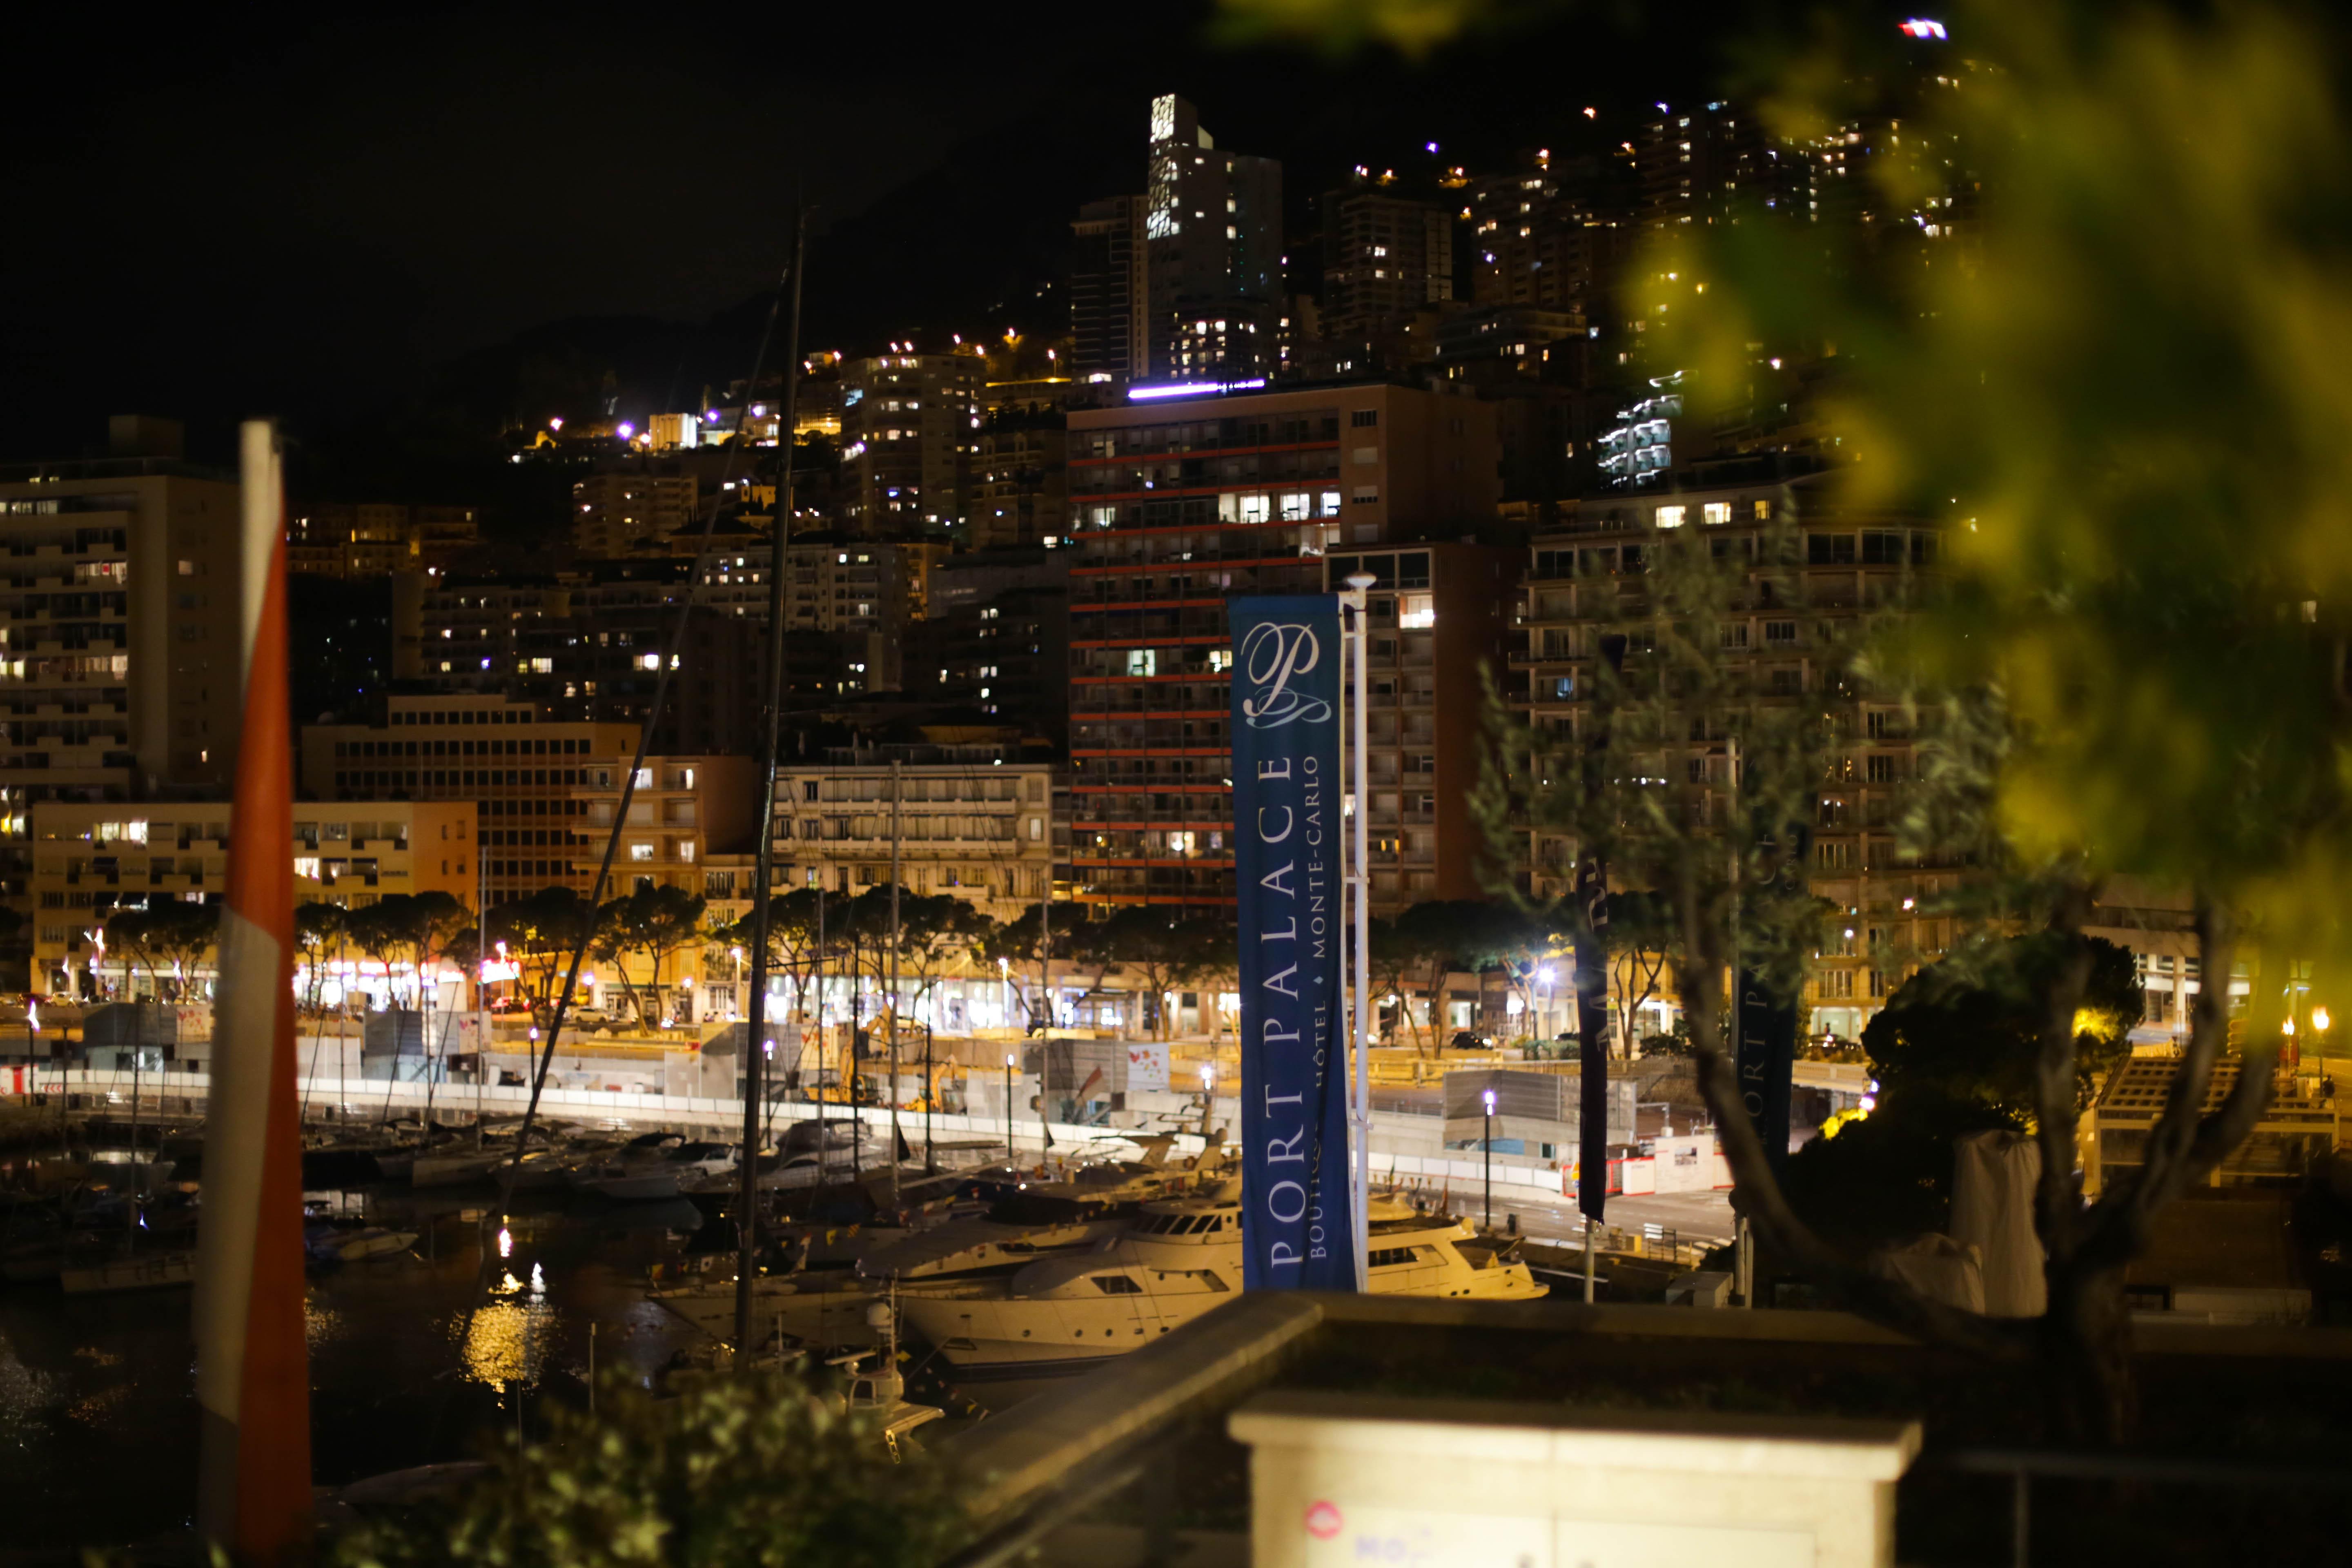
(1212, 254)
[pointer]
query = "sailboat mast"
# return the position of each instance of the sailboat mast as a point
(893, 1092)
(481, 984)
(765, 862)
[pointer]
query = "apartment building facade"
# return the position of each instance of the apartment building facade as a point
(1020, 481)
(546, 792)
(1388, 259)
(1436, 615)
(1851, 567)
(615, 515)
(965, 821)
(373, 540)
(119, 640)
(909, 424)
(91, 860)
(1180, 505)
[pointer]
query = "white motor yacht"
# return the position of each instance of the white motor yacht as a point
(1179, 1259)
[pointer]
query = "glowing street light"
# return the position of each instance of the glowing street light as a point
(1488, 1097)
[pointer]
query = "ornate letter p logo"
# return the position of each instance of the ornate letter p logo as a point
(1271, 656)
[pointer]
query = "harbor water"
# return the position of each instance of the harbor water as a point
(415, 1358)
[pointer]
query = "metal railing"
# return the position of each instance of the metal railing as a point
(2023, 1467)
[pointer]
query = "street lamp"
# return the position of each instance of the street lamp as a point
(1008, 1110)
(1488, 1097)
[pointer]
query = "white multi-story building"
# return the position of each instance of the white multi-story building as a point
(966, 824)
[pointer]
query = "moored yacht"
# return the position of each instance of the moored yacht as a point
(827, 1305)
(1177, 1259)
(1036, 1220)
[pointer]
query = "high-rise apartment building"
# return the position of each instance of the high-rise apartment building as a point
(1387, 261)
(615, 515)
(1020, 489)
(1854, 566)
(909, 423)
(1213, 241)
(997, 642)
(1551, 234)
(1436, 614)
(119, 639)
(1109, 297)
(1704, 163)
(1178, 506)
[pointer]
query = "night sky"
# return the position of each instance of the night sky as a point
(330, 221)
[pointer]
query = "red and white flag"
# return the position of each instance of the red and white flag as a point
(253, 1381)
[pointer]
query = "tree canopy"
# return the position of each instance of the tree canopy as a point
(1969, 1032)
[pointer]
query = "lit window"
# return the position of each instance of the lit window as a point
(1670, 516)
(641, 851)
(1142, 661)
(1416, 611)
(1716, 511)
(1763, 511)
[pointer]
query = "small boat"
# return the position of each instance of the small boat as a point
(140, 1272)
(879, 1392)
(332, 1245)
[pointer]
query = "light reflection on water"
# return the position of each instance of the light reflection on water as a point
(404, 1369)
(504, 1341)
(320, 1321)
(25, 1393)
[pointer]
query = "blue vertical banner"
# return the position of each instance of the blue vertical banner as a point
(1297, 1230)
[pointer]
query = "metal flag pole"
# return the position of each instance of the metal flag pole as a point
(896, 1140)
(1743, 1243)
(482, 986)
(1359, 882)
